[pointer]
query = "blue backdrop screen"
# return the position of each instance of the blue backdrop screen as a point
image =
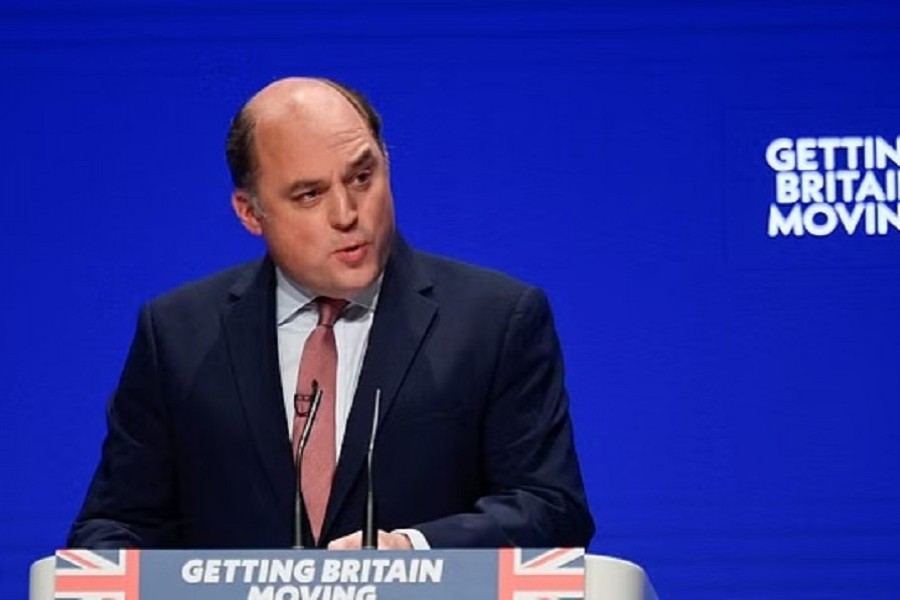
(708, 194)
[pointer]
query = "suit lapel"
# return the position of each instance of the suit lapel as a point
(402, 319)
(250, 328)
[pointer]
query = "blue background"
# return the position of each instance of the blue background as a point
(734, 395)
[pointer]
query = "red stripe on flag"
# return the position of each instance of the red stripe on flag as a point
(538, 562)
(74, 557)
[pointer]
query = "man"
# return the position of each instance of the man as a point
(474, 443)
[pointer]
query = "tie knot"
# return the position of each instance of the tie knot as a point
(329, 310)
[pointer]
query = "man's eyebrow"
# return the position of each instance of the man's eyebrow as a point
(302, 184)
(365, 158)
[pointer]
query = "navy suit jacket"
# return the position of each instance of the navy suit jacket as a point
(474, 443)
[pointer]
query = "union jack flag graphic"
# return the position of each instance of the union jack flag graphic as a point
(556, 574)
(97, 574)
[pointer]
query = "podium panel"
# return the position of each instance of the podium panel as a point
(502, 574)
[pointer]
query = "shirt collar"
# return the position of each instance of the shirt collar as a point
(291, 298)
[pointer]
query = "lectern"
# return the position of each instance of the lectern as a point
(504, 574)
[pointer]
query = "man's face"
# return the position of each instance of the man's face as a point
(323, 198)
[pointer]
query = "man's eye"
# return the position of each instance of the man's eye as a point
(307, 196)
(363, 177)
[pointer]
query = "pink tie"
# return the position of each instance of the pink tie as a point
(318, 363)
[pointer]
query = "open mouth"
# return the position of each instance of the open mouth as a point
(353, 253)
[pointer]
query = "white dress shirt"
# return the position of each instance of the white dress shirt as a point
(296, 316)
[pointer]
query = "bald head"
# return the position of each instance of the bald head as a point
(307, 99)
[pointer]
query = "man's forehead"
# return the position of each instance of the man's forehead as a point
(306, 132)
(306, 154)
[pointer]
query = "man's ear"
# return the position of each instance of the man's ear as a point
(245, 207)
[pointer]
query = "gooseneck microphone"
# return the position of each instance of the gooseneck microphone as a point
(315, 400)
(370, 529)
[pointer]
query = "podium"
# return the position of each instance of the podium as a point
(316, 575)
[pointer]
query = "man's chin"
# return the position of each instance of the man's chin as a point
(352, 285)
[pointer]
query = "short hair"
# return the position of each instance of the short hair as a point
(239, 151)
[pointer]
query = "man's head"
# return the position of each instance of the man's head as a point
(311, 177)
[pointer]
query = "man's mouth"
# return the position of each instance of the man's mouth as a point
(352, 253)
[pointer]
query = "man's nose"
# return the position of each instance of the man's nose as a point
(343, 210)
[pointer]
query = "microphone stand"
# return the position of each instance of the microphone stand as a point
(298, 461)
(369, 531)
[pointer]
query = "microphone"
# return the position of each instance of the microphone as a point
(369, 530)
(316, 399)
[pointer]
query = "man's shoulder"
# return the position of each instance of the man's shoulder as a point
(458, 277)
(215, 288)
(483, 302)
(444, 266)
